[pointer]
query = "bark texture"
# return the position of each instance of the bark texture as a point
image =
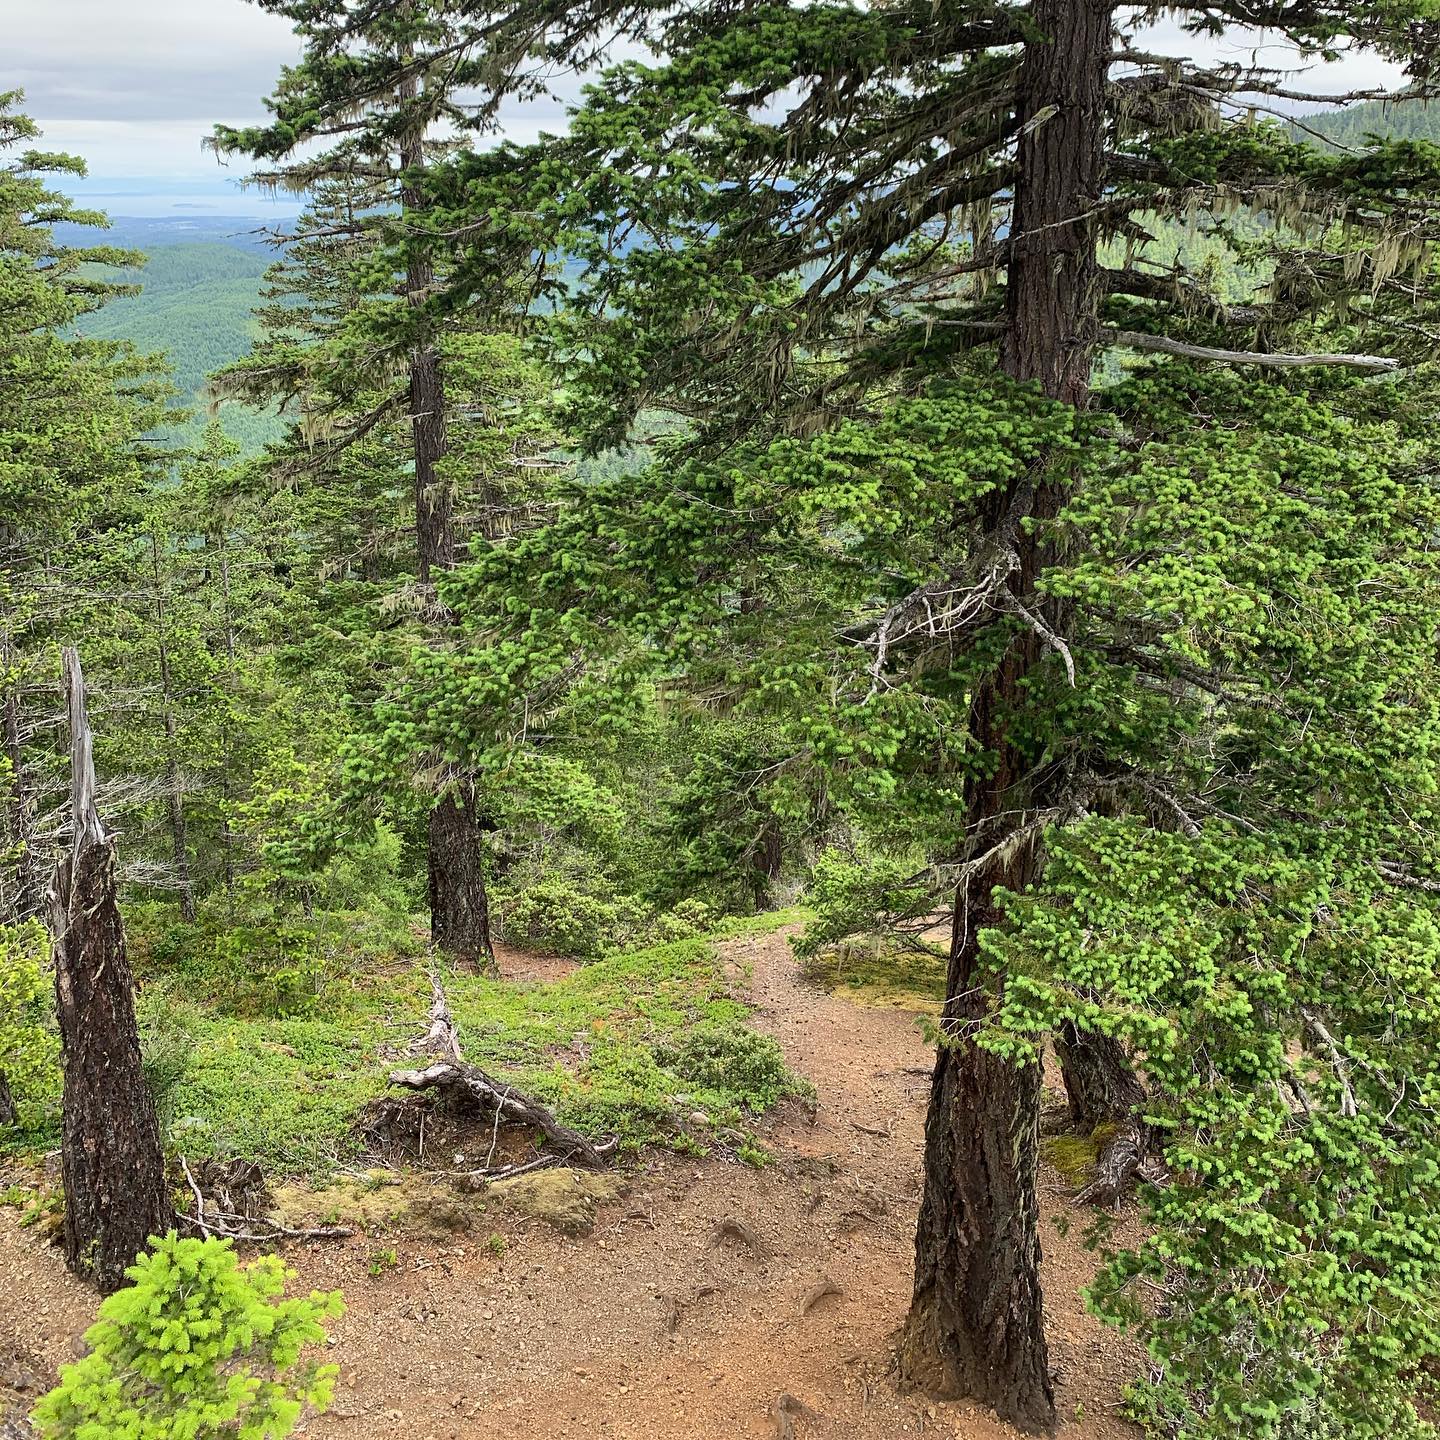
(1107, 1100)
(8, 1113)
(975, 1327)
(459, 903)
(112, 1165)
(1101, 1087)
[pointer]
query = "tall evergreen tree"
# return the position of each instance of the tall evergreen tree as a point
(377, 86)
(803, 215)
(73, 414)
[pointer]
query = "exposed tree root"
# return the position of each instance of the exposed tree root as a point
(456, 1076)
(786, 1410)
(209, 1220)
(732, 1229)
(817, 1292)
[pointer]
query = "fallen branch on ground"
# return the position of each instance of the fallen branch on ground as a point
(459, 1077)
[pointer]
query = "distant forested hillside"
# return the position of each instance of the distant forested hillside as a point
(1410, 120)
(195, 308)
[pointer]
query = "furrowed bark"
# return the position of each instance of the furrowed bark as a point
(112, 1164)
(459, 903)
(975, 1327)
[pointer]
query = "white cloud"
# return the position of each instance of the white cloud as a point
(135, 85)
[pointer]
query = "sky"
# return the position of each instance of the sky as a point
(133, 86)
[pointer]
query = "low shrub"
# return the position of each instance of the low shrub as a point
(731, 1059)
(29, 1041)
(196, 1346)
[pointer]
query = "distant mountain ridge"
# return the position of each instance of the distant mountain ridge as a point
(1391, 120)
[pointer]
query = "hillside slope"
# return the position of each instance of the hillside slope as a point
(194, 308)
(1410, 120)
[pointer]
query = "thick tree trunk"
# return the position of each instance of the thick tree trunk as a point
(459, 905)
(8, 1113)
(975, 1327)
(976, 1323)
(111, 1160)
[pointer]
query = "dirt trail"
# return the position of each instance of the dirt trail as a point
(653, 1327)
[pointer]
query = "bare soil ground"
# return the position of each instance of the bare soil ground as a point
(663, 1323)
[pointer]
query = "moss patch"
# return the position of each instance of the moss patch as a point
(871, 970)
(564, 1198)
(380, 1202)
(1074, 1157)
(286, 1091)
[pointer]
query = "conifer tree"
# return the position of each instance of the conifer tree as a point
(72, 464)
(808, 218)
(377, 85)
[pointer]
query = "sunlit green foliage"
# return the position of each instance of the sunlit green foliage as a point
(196, 1345)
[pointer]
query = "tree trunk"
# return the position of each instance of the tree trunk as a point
(1106, 1100)
(1100, 1083)
(174, 790)
(8, 1113)
(975, 1327)
(459, 905)
(976, 1323)
(111, 1161)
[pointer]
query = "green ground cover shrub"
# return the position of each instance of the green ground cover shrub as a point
(29, 1042)
(624, 1045)
(624, 1042)
(197, 1345)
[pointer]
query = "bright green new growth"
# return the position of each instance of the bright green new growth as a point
(29, 1047)
(197, 1348)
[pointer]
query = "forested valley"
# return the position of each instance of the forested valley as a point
(768, 766)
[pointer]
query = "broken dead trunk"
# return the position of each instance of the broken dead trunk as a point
(112, 1164)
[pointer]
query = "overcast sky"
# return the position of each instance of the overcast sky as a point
(134, 86)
